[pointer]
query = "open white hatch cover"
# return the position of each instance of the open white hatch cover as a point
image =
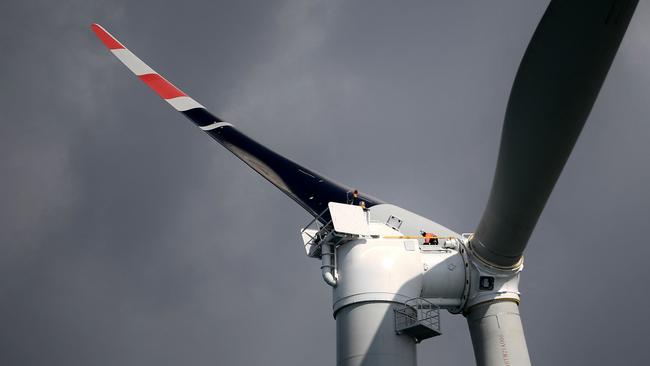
(349, 219)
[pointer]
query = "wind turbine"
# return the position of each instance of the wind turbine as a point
(390, 269)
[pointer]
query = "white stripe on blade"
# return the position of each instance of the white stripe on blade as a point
(133, 62)
(215, 125)
(184, 103)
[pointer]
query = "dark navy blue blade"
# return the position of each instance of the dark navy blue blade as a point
(309, 189)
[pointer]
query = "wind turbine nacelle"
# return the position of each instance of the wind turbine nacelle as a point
(379, 255)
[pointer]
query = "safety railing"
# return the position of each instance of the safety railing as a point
(418, 317)
(315, 230)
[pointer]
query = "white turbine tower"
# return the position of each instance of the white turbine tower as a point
(392, 270)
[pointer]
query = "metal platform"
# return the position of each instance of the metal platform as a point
(418, 318)
(346, 222)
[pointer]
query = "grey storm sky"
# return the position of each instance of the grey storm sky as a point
(128, 237)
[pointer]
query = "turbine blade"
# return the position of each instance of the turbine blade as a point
(497, 334)
(556, 85)
(309, 189)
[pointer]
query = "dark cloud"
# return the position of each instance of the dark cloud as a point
(129, 237)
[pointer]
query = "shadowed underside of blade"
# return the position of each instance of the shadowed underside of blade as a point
(556, 86)
(309, 189)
